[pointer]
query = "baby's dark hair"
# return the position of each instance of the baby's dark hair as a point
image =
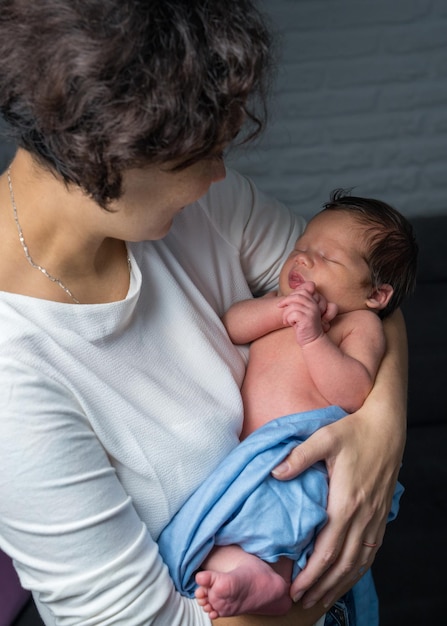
(93, 87)
(392, 248)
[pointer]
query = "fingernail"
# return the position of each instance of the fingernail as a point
(280, 469)
(298, 596)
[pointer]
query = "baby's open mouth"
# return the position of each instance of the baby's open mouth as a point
(295, 279)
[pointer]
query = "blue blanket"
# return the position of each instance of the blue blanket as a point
(241, 503)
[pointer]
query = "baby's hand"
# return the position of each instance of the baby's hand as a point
(308, 311)
(328, 309)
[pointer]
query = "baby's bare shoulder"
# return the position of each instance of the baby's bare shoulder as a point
(361, 316)
(361, 320)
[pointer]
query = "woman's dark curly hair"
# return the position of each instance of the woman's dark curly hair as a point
(94, 87)
(392, 249)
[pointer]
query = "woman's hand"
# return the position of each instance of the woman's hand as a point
(361, 488)
(363, 453)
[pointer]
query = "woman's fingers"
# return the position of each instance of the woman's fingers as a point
(316, 448)
(319, 578)
(358, 505)
(339, 560)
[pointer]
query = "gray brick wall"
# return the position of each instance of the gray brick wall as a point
(360, 101)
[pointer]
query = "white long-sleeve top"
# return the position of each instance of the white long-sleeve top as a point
(112, 414)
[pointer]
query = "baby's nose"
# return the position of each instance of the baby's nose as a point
(304, 258)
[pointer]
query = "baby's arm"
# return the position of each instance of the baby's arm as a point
(248, 320)
(344, 373)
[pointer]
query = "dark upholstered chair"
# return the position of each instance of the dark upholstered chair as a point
(12, 597)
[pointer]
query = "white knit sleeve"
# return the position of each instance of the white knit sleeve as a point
(76, 539)
(263, 229)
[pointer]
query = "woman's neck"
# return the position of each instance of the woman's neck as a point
(57, 228)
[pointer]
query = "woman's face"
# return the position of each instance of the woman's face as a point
(153, 196)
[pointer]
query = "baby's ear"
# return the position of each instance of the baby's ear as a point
(380, 297)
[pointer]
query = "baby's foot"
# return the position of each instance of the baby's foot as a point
(253, 588)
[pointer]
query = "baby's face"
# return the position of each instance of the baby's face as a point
(330, 253)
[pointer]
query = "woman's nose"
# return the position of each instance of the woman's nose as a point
(219, 171)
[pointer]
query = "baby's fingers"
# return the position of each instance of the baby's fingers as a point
(330, 312)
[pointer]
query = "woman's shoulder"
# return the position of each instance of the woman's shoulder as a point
(246, 216)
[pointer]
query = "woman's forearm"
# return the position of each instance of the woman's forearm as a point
(387, 401)
(297, 616)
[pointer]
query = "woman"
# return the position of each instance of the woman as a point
(120, 387)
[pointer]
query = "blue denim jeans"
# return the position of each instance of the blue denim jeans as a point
(358, 607)
(342, 613)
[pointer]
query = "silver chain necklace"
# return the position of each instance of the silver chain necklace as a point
(36, 266)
